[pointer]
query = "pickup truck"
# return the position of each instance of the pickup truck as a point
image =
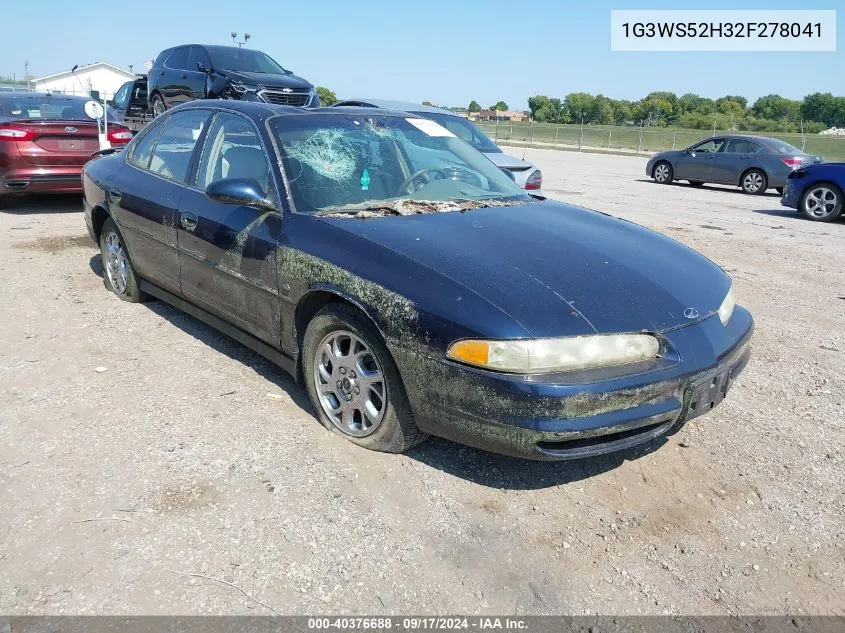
(130, 101)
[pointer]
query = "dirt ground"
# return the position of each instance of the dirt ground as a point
(138, 446)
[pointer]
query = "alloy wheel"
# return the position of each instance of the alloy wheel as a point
(350, 383)
(821, 202)
(117, 265)
(752, 182)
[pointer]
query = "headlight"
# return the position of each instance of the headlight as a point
(727, 307)
(542, 356)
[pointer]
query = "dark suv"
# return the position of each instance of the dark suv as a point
(189, 72)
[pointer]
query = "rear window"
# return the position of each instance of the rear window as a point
(45, 108)
(782, 147)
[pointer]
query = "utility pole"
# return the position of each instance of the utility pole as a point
(26, 72)
(235, 39)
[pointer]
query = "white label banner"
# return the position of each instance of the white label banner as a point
(707, 30)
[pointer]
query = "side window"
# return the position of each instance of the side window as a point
(122, 94)
(142, 148)
(743, 146)
(172, 154)
(233, 150)
(196, 58)
(710, 146)
(178, 59)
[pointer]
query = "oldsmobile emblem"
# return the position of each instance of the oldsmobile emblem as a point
(70, 129)
(691, 313)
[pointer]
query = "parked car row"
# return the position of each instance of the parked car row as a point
(756, 164)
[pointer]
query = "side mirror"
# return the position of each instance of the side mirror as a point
(203, 68)
(241, 191)
(690, 151)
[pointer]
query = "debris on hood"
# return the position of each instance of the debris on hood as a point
(413, 207)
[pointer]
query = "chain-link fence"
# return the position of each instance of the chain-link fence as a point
(638, 140)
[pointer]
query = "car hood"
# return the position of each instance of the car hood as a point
(500, 159)
(555, 269)
(266, 80)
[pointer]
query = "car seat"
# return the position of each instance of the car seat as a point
(247, 162)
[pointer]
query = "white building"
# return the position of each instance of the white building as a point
(102, 77)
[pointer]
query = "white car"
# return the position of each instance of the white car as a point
(526, 174)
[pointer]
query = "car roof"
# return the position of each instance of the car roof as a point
(398, 106)
(29, 94)
(261, 109)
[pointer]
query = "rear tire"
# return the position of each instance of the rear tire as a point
(821, 202)
(696, 183)
(754, 182)
(663, 173)
(4, 202)
(353, 383)
(119, 275)
(157, 105)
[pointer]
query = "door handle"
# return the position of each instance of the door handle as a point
(747, 156)
(114, 195)
(184, 76)
(188, 220)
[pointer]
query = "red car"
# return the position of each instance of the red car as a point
(44, 142)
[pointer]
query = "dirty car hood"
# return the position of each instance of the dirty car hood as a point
(555, 269)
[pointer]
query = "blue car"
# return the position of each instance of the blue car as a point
(412, 286)
(816, 191)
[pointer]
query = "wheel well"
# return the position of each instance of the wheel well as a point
(98, 217)
(742, 175)
(660, 162)
(307, 307)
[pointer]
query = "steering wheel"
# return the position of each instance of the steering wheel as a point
(408, 185)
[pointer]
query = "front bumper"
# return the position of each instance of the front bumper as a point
(578, 415)
(790, 195)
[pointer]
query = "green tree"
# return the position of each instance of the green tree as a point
(601, 111)
(327, 97)
(776, 108)
(693, 103)
(825, 108)
(428, 103)
(473, 106)
(501, 106)
(658, 108)
(577, 105)
(732, 106)
(622, 111)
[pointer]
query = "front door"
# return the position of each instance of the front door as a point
(697, 162)
(227, 251)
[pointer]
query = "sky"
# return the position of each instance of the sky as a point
(448, 52)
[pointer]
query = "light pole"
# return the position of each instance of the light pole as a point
(235, 39)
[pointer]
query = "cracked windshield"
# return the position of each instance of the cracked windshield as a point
(360, 166)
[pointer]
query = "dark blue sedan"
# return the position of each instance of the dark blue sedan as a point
(411, 285)
(816, 191)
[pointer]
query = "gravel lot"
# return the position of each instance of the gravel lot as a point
(137, 446)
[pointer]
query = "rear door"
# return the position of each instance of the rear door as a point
(174, 82)
(228, 251)
(737, 155)
(144, 195)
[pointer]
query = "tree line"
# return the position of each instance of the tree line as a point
(771, 113)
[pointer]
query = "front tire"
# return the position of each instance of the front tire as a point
(821, 202)
(663, 173)
(353, 383)
(754, 182)
(119, 276)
